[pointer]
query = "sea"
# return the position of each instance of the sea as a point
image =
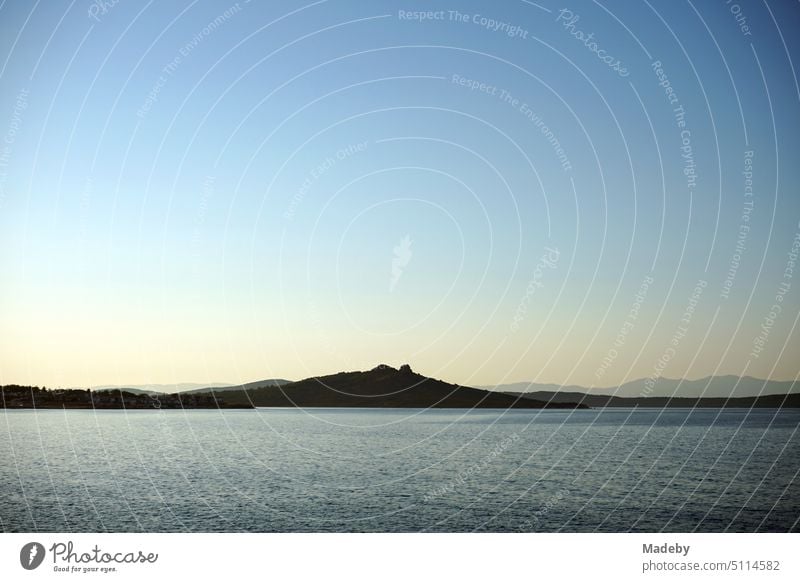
(400, 470)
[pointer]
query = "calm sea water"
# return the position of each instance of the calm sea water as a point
(399, 470)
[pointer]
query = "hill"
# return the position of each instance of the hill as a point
(381, 387)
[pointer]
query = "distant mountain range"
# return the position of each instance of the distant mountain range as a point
(158, 388)
(380, 387)
(190, 387)
(711, 387)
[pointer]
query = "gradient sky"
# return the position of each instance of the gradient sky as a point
(227, 192)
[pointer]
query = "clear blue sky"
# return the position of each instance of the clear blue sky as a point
(495, 192)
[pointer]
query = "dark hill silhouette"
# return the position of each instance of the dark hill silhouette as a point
(382, 387)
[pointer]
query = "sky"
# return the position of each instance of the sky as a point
(492, 192)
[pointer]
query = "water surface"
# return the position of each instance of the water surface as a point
(340, 470)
